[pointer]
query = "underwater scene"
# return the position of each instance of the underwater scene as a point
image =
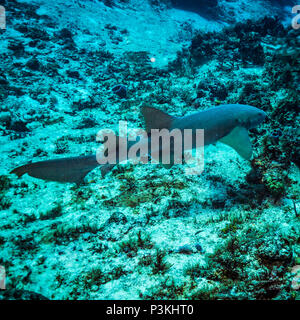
(149, 150)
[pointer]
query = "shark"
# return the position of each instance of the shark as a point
(228, 124)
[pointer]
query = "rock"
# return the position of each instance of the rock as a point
(200, 6)
(73, 74)
(65, 34)
(34, 64)
(89, 122)
(117, 217)
(185, 249)
(199, 248)
(17, 47)
(13, 294)
(5, 117)
(219, 202)
(3, 80)
(120, 90)
(18, 126)
(115, 227)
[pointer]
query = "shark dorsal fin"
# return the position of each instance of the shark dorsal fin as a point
(238, 139)
(156, 119)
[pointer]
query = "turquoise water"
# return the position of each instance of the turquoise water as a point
(146, 231)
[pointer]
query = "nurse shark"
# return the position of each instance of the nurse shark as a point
(228, 124)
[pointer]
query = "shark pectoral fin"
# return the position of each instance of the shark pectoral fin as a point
(239, 140)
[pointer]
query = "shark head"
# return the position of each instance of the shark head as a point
(249, 117)
(243, 118)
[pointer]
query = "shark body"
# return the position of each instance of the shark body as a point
(228, 124)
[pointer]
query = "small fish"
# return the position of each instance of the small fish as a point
(228, 124)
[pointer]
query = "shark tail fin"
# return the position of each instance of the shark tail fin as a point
(62, 170)
(156, 119)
